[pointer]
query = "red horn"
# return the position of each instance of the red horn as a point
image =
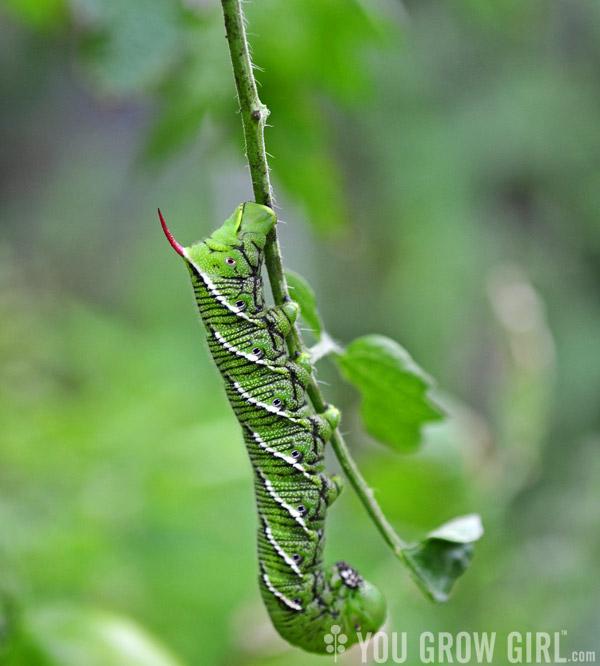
(174, 244)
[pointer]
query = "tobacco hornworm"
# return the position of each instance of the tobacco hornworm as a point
(285, 438)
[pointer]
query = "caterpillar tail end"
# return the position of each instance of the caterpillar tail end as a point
(174, 244)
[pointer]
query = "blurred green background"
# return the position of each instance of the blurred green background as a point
(437, 170)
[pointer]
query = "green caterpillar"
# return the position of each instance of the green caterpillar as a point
(284, 437)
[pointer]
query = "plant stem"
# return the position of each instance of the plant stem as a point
(254, 114)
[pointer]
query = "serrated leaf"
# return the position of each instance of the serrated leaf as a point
(302, 293)
(394, 390)
(445, 554)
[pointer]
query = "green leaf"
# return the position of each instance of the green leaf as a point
(445, 554)
(73, 636)
(301, 292)
(193, 91)
(394, 390)
(39, 13)
(128, 47)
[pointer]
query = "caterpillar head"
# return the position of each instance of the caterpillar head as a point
(364, 605)
(235, 249)
(353, 604)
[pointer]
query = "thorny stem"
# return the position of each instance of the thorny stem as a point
(254, 114)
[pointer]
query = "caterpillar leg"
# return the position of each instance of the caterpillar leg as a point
(291, 309)
(281, 318)
(335, 485)
(303, 360)
(326, 422)
(332, 416)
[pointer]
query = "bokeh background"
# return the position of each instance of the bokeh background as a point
(437, 171)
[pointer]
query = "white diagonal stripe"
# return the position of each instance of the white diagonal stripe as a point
(294, 513)
(271, 539)
(212, 289)
(255, 401)
(253, 358)
(279, 595)
(288, 459)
